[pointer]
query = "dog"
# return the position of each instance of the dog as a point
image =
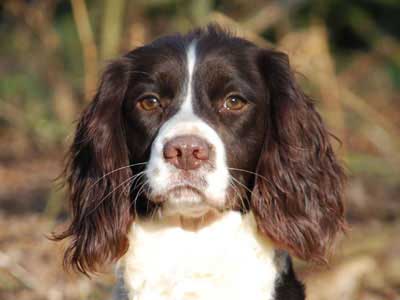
(201, 166)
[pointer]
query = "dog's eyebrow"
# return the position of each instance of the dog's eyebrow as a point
(161, 83)
(241, 86)
(232, 85)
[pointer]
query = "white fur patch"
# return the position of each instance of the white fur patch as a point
(227, 259)
(161, 175)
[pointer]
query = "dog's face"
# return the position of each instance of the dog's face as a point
(198, 108)
(198, 123)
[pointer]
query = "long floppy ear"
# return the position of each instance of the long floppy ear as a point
(297, 199)
(100, 205)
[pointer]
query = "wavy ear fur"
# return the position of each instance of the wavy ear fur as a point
(100, 206)
(298, 203)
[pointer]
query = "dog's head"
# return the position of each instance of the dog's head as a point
(198, 123)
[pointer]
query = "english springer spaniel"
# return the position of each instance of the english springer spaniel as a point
(199, 165)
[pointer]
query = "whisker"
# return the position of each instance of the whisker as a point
(236, 189)
(250, 172)
(140, 191)
(156, 211)
(138, 179)
(129, 187)
(241, 184)
(116, 188)
(116, 170)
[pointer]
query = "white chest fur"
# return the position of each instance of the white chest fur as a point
(223, 260)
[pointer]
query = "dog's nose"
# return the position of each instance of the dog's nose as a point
(186, 152)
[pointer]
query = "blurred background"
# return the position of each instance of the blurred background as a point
(52, 52)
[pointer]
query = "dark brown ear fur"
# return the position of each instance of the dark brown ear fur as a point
(100, 207)
(298, 203)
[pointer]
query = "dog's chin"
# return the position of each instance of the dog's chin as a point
(186, 202)
(191, 211)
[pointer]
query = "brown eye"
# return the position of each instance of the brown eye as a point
(234, 102)
(149, 103)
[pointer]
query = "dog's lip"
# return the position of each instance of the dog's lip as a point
(195, 183)
(185, 186)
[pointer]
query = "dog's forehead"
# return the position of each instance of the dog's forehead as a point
(218, 51)
(195, 72)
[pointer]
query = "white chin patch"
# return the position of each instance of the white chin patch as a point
(207, 186)
(185, 202)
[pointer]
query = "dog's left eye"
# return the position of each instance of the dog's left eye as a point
(234, 102)
(149, 103)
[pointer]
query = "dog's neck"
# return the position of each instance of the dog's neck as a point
(220, 256)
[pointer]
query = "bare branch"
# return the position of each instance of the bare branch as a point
(89, 49)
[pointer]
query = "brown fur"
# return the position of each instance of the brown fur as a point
(298, 201)
(100, 211)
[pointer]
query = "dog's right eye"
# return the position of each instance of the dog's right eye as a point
(149, 103)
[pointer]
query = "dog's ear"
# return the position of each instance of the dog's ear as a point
(96, 176)
(297, 199)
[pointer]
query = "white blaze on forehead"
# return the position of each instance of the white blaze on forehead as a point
(186, 122)
(187, 105)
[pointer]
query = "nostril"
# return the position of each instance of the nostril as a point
(201, 153)
(171, 152)
(178, 152)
